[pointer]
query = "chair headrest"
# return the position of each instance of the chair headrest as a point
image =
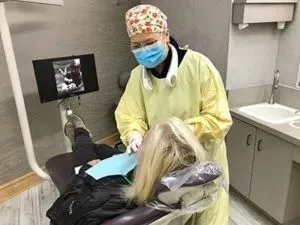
(190, 190)
(195, 175)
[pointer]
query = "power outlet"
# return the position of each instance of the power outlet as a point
(298, 79)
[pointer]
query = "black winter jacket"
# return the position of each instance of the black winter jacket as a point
(90, 202)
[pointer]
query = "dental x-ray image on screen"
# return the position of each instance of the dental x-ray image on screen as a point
(64, 77)
(68, 77)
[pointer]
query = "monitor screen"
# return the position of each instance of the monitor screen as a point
(64, 77)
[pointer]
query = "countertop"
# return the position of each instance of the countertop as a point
(284, 131)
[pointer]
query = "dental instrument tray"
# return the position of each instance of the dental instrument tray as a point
(60, 78)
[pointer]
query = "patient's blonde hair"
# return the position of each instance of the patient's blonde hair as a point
(170, 145)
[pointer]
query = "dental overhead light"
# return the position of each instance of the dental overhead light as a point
(16, 84)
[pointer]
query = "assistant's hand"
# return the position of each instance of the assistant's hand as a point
(135, 142)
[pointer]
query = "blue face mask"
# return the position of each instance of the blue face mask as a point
(150, 56)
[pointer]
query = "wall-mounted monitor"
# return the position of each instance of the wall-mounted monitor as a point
(60, 78)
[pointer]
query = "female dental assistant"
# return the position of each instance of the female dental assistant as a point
(173, 82)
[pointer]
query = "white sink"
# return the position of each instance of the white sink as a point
(272, 113)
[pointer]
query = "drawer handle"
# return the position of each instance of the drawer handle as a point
(259, 146)
(249, 140)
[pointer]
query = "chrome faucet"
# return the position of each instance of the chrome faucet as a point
(274, 87)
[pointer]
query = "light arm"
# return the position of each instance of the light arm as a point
(47, 2)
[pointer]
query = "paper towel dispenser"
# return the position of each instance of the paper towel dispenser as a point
(247, 12)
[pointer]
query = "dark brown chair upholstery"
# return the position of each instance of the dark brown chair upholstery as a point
(59, 169)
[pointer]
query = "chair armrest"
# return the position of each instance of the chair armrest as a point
(60, 169)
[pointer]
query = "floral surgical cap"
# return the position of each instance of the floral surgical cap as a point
(145, 19)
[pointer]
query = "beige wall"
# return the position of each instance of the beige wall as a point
(203, 25)
(289, 52)
(38, 31)
(252, 55)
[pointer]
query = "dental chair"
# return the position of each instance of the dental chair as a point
(60, 167)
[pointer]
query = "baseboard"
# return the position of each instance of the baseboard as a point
(110, 140)
(29, 180)
(18, 186)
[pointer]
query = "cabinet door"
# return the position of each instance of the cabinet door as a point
(271, 174)
(240, 151)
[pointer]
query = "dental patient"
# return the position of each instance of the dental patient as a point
(169, 146)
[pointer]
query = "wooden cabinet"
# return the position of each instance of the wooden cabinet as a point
(240, 144)
(260, 166)
(272, 168)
